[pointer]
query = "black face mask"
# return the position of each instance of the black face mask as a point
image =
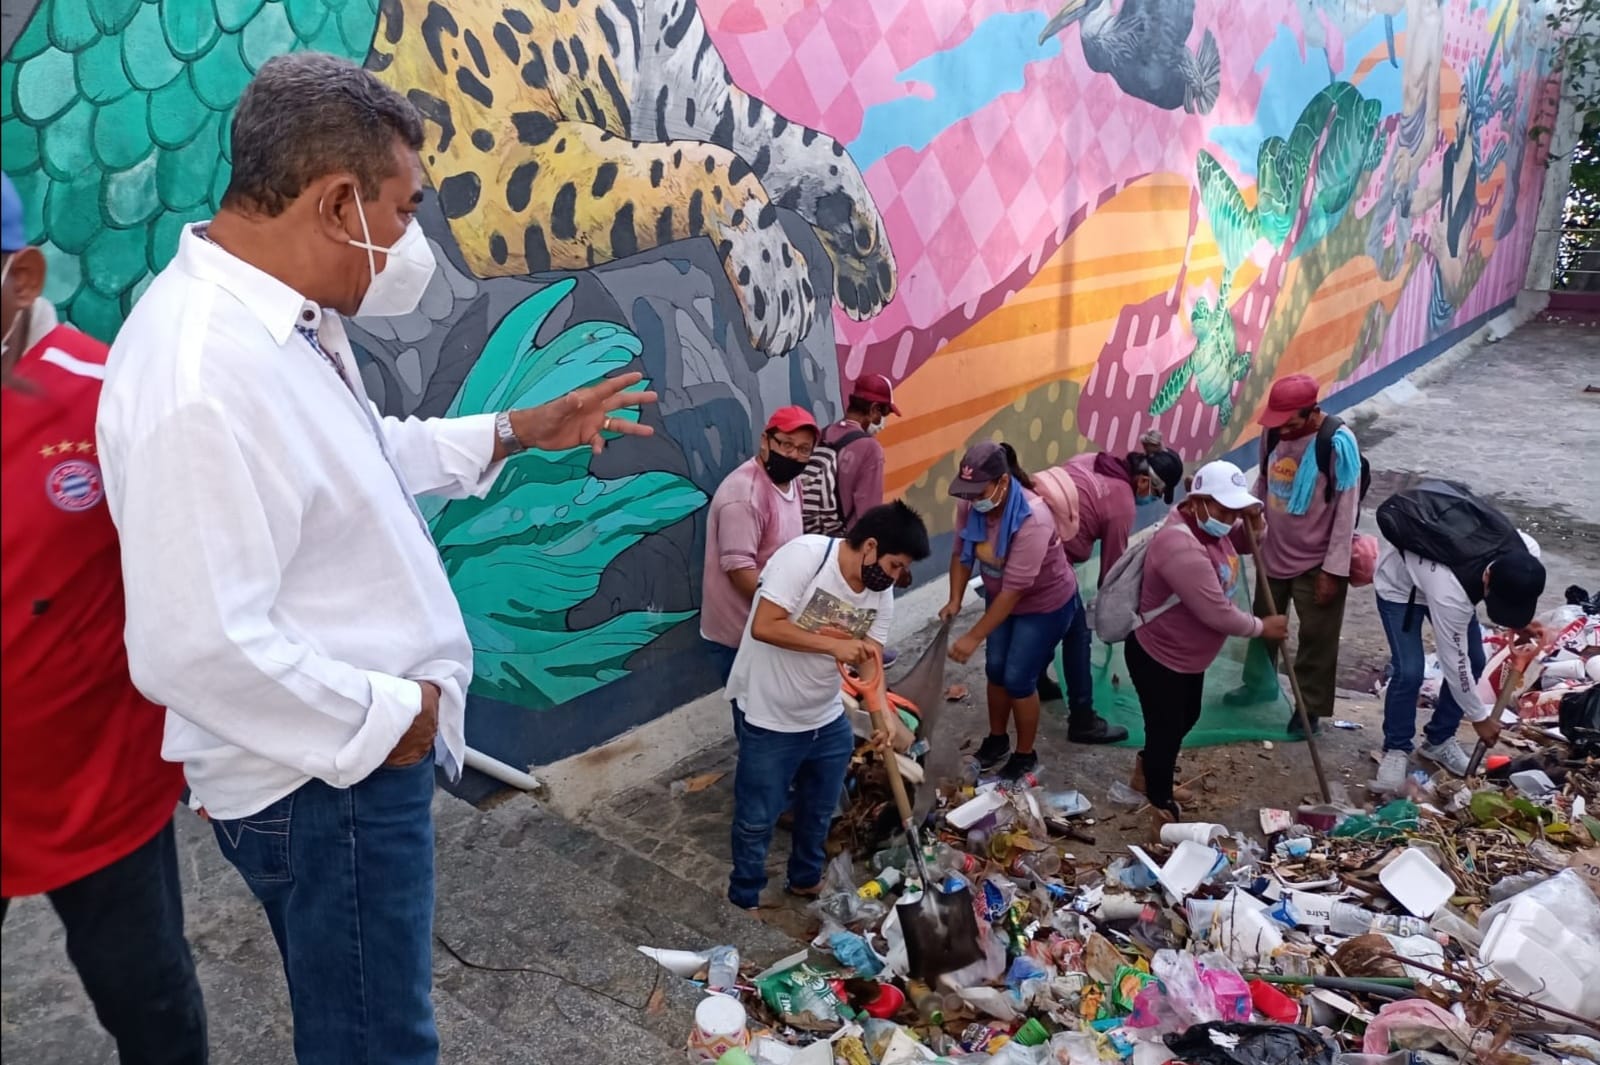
(875, 577)
(781, 468)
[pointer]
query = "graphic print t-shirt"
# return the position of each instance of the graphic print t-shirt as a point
(796, 691)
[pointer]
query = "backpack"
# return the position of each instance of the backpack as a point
(1114, 614)
(819, 487)
(1443, 522)
(1323, 449)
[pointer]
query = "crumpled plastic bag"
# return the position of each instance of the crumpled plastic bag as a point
(1224, 1043)
(1413, 1024)
(839, 903)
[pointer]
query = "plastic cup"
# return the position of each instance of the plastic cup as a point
(719, 1026)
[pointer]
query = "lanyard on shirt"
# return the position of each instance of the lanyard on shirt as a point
(310, 336)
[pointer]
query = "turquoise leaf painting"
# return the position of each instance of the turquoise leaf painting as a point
(536, 546)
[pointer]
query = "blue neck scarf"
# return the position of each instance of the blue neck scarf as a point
(1014, 513)
(1346, 472)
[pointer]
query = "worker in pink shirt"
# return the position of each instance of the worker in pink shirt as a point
(1191, 572)
(755, 511)
(1311, 479)
(1007, 534)
(1106, 494)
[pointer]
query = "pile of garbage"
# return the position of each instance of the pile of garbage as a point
(1458, 923)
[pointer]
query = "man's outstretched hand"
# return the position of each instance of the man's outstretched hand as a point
(583, 416)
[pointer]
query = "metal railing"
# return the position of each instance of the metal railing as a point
(1577, 260)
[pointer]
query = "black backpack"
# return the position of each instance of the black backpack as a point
(1443, 522)
(819, 487)
(1323, 449)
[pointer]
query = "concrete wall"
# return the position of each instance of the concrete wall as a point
(1040, 227)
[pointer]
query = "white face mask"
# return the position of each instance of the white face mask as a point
(875, 428)
(399, 287)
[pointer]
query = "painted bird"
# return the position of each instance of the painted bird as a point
(1144, 46)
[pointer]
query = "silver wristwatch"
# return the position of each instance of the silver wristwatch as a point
(506, 436)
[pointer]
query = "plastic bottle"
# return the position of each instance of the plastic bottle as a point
(928, 1003)
(1448, 922)
(891, 858)
(881, 884)
(954, 860)
(723, 972)
(1345, 919)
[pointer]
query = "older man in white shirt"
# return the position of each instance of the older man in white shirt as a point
(285, 599)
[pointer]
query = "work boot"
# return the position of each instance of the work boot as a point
(1447, 755)
(1019, 766)
(993, 751)
(1086, 726)
(1049, 690)
(1392, 771)
(1298, 733)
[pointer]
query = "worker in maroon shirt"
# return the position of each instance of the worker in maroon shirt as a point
(86, 802)
(1103, 492)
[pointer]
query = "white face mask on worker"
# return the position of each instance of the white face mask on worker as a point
(409, 266)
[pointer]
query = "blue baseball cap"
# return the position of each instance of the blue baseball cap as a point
(13, 234)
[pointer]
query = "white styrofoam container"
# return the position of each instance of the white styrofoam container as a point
(1536, 954)
(1416, 883)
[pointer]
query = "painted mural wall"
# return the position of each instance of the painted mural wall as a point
(1059, 225)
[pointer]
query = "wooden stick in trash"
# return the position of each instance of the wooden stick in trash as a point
(1288, 666)
(1512, 684)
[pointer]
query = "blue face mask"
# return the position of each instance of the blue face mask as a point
(1145, 501)
(984, 505)
(1216, 527)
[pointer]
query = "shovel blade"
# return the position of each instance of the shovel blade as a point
(941, 933)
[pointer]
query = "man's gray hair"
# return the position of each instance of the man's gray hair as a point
(306, 115)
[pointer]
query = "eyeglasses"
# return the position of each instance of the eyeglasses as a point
(795, 449)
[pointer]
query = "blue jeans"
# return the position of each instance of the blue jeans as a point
(346, 878)
(124, 926)
(1077, 676)
(815, 762)
(1017, 651)
(1406, 662)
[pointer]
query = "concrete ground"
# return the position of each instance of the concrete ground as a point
(538, 916)
(1510, 419)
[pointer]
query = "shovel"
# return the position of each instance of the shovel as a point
(941, 927)
(1288, 665)
(1508, 690)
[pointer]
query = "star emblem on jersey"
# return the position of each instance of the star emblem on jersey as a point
(74, 485)
(68, 447)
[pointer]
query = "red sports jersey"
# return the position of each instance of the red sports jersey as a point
(82, 782)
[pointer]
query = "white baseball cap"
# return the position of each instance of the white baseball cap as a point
(1224, 482)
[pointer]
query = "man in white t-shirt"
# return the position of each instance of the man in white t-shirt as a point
(821, 602)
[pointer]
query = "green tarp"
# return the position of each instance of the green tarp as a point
(1117, 702)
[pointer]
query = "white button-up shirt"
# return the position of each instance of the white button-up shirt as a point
(284, 598)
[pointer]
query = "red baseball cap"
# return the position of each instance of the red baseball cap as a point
(788, 419)
(875, 388)
(1289, 396)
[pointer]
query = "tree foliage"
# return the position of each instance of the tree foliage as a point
(1578, 24)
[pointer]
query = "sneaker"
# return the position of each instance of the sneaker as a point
(1447, 755)
(1298, 733)
(1086, 726)
(1049, 690)
(1019, 766)
(1392, 771)
(993, 751)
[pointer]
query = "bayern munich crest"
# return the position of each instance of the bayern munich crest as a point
(75, 485)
